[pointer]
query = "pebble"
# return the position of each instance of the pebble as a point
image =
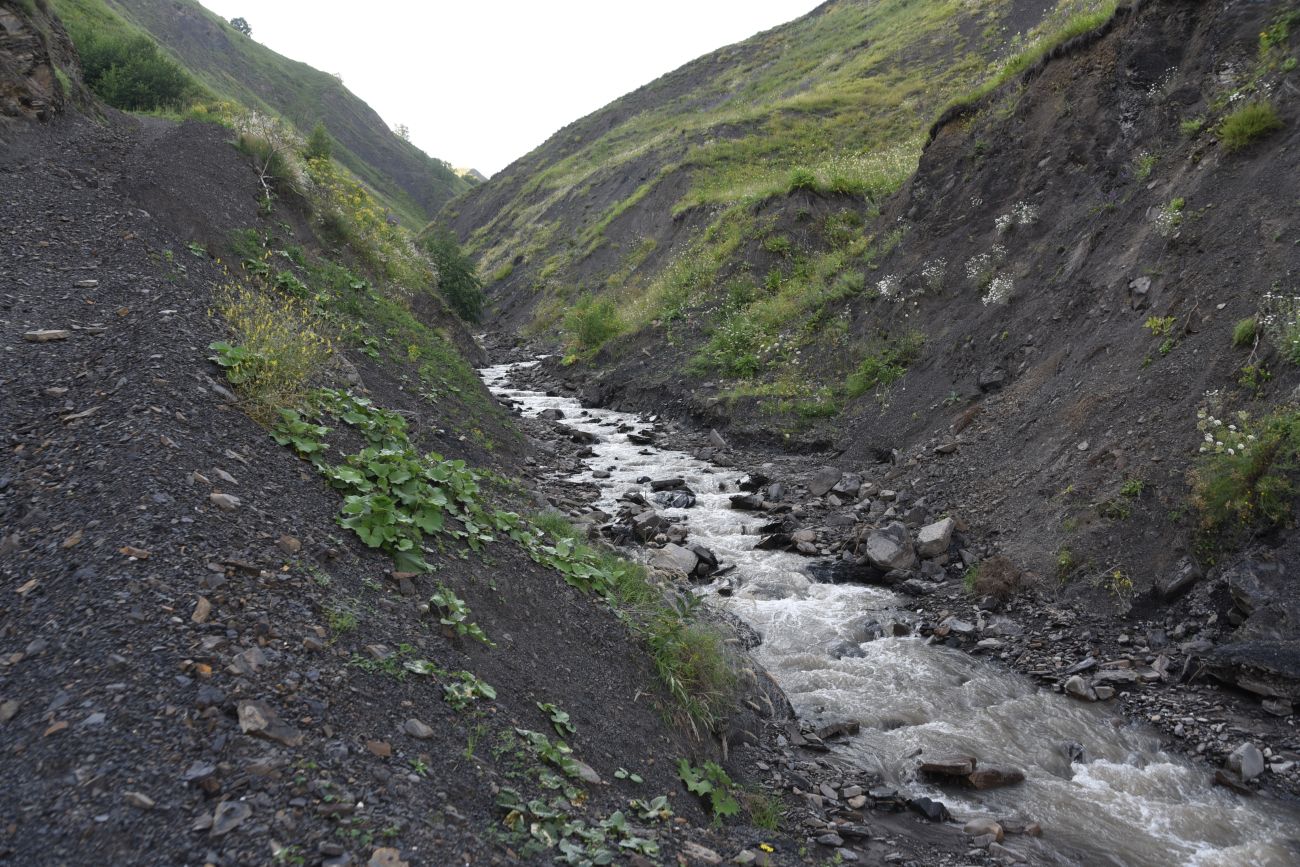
(417, 729)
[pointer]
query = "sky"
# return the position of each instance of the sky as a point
(482, 83)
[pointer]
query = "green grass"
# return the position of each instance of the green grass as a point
(886, 364)
(1243, 333)
(834, 104)
(1247, 125)
(1251, 488)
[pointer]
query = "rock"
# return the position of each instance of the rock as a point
(259, 718)
(1229, 780)
(932, 810)
(587, 773)
(1275, 706)
(1079, 688)
(823, 480)
(848, 485)
(289, 545)
(1247, 761)
(992, 378)
(228, 816)
(934, 539)
(948, 766)
(716, 439)
(845, 728)
(380, 749)
(202, 609)
(994, 777)
(551, 414)
(139, 800)
(8, 710)
(980, 827)
(47, 335)
(890, 548)
(225, 502)
(1268, 668)
(1180, 580)
(747, 502)
(681, 499)
(833, 840)
(1104, 693)
(669, 485)
(386, 856)
(647, 525)
(416, 729)
(674, 558)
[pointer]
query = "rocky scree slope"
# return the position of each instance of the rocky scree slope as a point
(237, 67)
(197, 663)
(1040, 315)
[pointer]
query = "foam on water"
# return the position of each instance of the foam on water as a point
(1132, 804)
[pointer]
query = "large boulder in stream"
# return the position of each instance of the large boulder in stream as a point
(890, 548)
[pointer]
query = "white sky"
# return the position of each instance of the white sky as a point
(482, 83)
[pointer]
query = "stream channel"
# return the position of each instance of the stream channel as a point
(1130, 803)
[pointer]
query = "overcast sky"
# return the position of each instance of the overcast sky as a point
(481, 83)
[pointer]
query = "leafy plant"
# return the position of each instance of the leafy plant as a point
(559, 718)
(625, 774)
(1247, 125)
(1159, 326)
(712, 784)
(590, 324)
(454, 614)
(304, 437)
(465, 690)
(280, 345)
(458, 278)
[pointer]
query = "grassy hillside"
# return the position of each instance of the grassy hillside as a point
(411, 183)
(649, 197)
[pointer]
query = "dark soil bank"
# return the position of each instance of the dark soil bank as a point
(197, 664)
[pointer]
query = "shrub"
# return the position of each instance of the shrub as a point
(591, 323)
(1244, 479)
(278, 347)
(458, 278)
(130, 72)
(1247, 125)
(996, 576)
(1243, 333)
(802, 179)
(734, 346)
(319, 144)
(886, 364)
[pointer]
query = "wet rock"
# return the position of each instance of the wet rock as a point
(823, 480)
(747, 502)
(890, 548)
(1247, 761)
(647, 525)
(1229, 780)
(948, 766)
(935, 539)
(1078, 687)
(995, 777)
(674, 558)
(930, 809)
(846, 728)
(678, 499)
(981, 827)
(551, 414)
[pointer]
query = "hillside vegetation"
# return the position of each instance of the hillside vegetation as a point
(650, 198)
(224, 63)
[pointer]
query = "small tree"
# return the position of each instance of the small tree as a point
(457, 276)
(241, 24)
(403, 132)
(319, 144)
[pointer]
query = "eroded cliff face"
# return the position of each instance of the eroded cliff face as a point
(34, 49)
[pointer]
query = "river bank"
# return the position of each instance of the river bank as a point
(1029, 633)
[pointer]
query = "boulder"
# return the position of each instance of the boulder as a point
(823, 480)
(1247, 761)
(848, 485)
(675, 558)
(948, 766)
(648, 524)
(677, 499)
(934, 539)
(747, 502)
(890, 548)
(994, 776)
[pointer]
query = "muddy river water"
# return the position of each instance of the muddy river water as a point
(1130, 803)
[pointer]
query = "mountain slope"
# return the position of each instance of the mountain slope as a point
(414, 184)
(835, 101)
